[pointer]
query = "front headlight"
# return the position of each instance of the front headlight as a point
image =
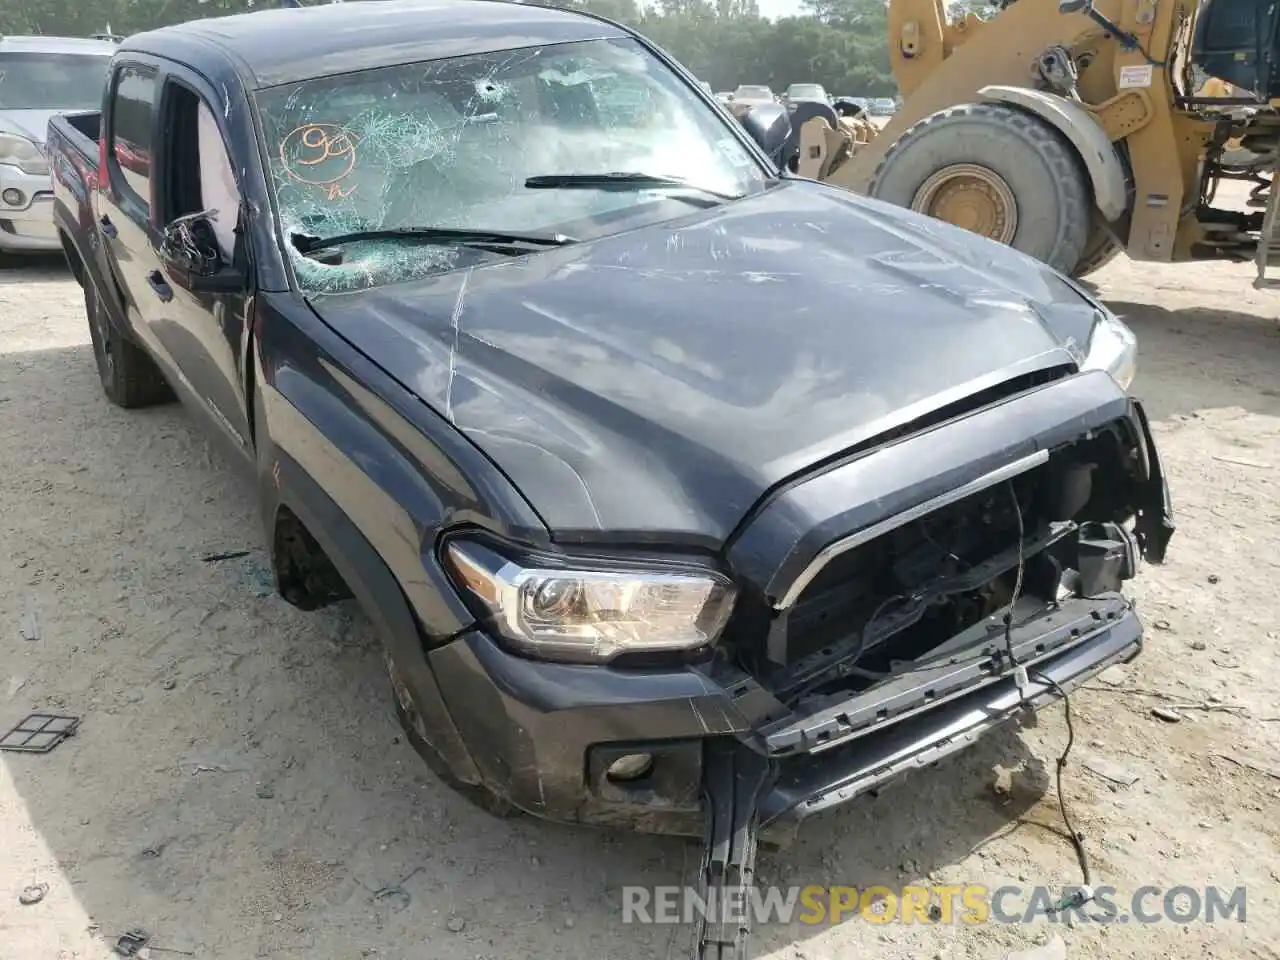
(23, 154)
(592, 615)
(1111, 345)
(1113, 348)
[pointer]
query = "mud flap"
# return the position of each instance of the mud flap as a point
(735, 781)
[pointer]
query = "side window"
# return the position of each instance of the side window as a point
(196, 167)
(133, 105)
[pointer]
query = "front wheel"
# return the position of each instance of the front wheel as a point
(996, 171)
(130, 378)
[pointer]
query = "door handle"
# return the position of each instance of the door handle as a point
(108, 228)
(159, 286)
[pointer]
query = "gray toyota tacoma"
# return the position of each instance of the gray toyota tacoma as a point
(686, 495)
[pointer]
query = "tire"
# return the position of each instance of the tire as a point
(130, 378)
(1031, 163)
(1099, 250)
(480, 796)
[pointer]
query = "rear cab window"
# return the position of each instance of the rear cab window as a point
(133, 108)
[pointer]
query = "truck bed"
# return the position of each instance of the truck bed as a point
(72, 147)
(79, 131)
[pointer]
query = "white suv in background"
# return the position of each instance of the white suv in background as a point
(39, 77)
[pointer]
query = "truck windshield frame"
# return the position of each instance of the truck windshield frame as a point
(451, 142)
(48, 81)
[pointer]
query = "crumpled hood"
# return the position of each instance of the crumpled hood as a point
(654, 384)
(32, 124)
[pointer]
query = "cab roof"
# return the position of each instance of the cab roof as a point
(272, 47)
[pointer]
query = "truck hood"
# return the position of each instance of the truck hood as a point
(652, 385)
(32, 124)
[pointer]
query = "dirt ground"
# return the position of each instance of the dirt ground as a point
(239, 787)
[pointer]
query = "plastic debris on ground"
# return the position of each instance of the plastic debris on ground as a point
(39, 733)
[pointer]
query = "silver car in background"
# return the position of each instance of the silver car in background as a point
(749, 95)
(39, 77)
(805, 93)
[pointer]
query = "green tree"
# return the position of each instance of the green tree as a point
(862, 15)
(838, 43)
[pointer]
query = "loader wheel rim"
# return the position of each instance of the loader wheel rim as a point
(970, 196)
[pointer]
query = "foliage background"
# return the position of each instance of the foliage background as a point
(838, 43)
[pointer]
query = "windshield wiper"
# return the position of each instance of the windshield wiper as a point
(485, 239)
(620, 181)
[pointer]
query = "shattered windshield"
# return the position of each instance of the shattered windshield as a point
(573, 140)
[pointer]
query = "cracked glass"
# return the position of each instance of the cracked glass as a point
(450, 143)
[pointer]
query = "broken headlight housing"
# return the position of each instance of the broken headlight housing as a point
(1113, 348)
(1111, 345)
(588, 613)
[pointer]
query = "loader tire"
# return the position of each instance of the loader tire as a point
(1099, 250)
(130, 378)
(997, 171)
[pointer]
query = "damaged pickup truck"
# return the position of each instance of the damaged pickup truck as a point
(685, 495)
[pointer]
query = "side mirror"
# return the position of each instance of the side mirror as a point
(769, 125)
(190, 254)
(1074, 6)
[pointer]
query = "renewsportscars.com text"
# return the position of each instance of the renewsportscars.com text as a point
(936, 904)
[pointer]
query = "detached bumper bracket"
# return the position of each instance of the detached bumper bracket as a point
(735, 781)
(970, 661)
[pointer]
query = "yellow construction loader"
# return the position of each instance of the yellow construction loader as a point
(1074, 130)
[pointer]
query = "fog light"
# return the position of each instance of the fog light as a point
(631, 767)
(13, 198)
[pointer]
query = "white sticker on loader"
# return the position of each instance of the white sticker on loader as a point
(1135, 76)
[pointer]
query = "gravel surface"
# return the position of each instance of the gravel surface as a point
(240, 789)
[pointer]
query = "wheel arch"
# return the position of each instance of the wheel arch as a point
(1101, 162)
(343, 563)
(75, 262)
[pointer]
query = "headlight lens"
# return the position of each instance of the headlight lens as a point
(1111, 344)
(588, 615)
(23, 154)
(1113, 348)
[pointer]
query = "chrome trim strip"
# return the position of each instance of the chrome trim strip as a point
(854, 540)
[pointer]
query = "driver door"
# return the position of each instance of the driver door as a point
(205, 334)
